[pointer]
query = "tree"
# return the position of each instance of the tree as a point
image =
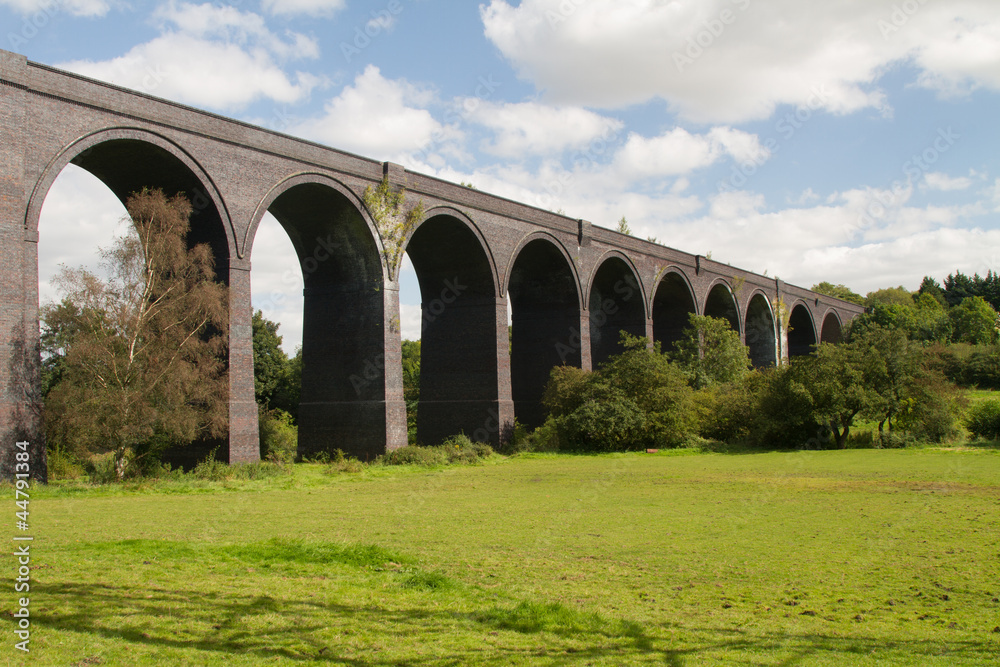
(623, 227)
(270, 363)
(931, 287)
(710, 352)
(899, 296)
(839, 291)
(146, 365)
(974, 321)
(411, 384)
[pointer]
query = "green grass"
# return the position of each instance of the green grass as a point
(858, 557)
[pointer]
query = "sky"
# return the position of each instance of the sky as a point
(850, 141)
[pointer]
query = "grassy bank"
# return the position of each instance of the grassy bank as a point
(822, 558)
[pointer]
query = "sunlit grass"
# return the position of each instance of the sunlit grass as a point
(865, 557)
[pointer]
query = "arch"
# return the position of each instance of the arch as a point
(616, 303)
(343, 395)
(544, 294)
(673, 303)
(721, 303)
(128, 159)
(470, 224)
(462, 321)
(801, 331)
(761, 336)
(832, 331)
(305, 178)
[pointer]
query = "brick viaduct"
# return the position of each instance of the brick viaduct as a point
(571, 287)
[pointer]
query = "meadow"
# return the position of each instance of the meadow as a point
(856, 557)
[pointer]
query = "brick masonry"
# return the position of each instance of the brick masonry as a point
(571, 285)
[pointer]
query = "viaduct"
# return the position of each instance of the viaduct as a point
(570, 286)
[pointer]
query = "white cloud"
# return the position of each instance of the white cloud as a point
(276, 281)
(210, 56)
(936, 180)
(309, 7)
(52, 7)
(736, 60)
(376, 117)
(680, 152)
(532, 128)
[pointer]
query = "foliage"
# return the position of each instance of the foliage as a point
(387, 207)
(983, 420)
(411, 385)
(711, 352)
(974, 321)
(269, 360)
(456, 449)
(899, 296)
(145, 362)
(839, 291)
(278, 435)
(623, 227)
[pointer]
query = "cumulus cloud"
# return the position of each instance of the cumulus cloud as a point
(308, 7)
(376, 117)
(533, 128)
(679, 152)
(50, 7)
(211, 56)
(736, 60)
(936, 180)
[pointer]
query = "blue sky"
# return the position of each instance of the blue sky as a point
(851, 141)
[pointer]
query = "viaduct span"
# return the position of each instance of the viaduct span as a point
(570, 286)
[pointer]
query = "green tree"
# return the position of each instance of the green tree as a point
(931, 287)
(270, 363)
(711, 352)
(623, 227)
(146, 367)
(899, 296)
(974, 321)
(839, 291)
(411, 384)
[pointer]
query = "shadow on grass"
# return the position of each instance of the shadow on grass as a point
(267, 628)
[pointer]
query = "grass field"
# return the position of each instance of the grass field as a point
(869, 557)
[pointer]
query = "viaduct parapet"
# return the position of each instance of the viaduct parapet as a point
(570, 286)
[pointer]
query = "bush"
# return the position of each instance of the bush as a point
(983, 420)
(459, 449)
(414, 455)
(62, 465)
(932, 408)
(613, 424)
(278, 436)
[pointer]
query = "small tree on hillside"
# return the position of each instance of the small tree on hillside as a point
(146, 363)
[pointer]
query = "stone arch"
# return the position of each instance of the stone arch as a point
(673, 302)
(761, 335)
(544, 292)
(832, 331)
(128, 159)
(616, 303)
(462, 320)
(801, 331)
(344, 393)
(721, 303)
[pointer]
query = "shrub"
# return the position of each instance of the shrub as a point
(341, 462)
(983, 420)
(62, 465)
(612, 424)
(278, 436)
(414, 455)
(932, 408)
(459, 449)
